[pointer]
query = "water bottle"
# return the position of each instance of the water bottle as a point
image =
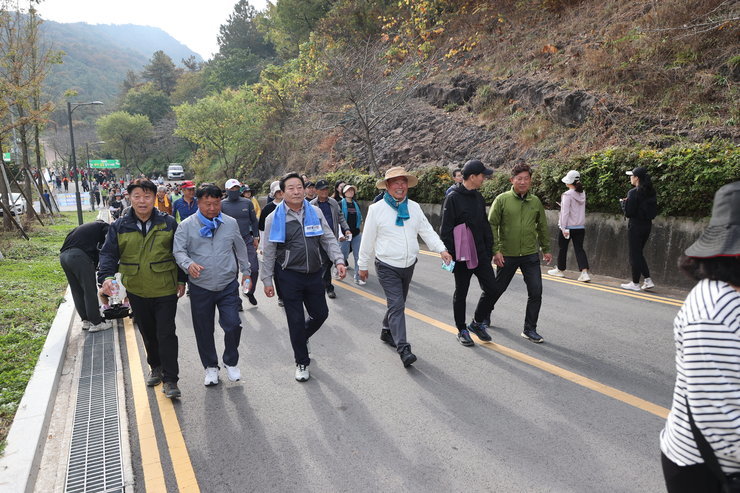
(114, 288)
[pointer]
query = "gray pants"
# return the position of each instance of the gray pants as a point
(395, 282)
(80, 272)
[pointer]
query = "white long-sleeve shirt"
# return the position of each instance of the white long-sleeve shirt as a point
(394, 245)
(707, 333)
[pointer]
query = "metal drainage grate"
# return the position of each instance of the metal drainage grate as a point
(95, 463)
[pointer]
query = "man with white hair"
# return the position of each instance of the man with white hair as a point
(162, 201)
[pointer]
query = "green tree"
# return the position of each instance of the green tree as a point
(161, 71)
(125, 135)
(190, 87)
(147, 100)
(226, 125)
(289, 23)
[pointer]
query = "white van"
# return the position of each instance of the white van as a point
(175, 172)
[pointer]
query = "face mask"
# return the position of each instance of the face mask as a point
(233, 195)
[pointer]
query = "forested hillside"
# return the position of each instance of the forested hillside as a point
(356, 86)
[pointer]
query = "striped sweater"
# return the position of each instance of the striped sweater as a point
(707, 334)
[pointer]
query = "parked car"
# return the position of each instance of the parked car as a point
(175, 172)
(16, 204)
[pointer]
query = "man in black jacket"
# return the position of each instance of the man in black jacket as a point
(242, 210)
(465, 205)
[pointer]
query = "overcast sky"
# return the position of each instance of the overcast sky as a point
(194, 23)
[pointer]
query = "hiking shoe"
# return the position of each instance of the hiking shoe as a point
(171, 391)
(532, 335)
(387, 337)
(331, 294)
(86, 324)
(104, 325)
(233, 372)
(463, 337)
(479, 329)
(631, 286)
(251, 298)
(647, 284)
(584, 277)
(556, 272)
(211, 377)
(280, 302)
(360, 282)
(301, 373)
(155, 377)
(407, 357)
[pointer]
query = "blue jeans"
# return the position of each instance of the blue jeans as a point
(203, 305)
(354, 246)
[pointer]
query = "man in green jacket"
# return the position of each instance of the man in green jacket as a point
(519, 227)
(139, 246)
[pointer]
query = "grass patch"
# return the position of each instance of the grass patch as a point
(32, 285)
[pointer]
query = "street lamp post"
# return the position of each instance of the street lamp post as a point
(70, 109)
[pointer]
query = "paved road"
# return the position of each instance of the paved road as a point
(508, 416)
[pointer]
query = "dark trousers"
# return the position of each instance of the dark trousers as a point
(203, 305)
(155, 318)
(301, 290)
(80, 272)
(486, 279)
(530, 267)
(254, 265)
(688, 479)
(395, 282)
(326, 276)
(638, 233)
(577, 235)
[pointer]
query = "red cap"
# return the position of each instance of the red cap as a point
(187, 184)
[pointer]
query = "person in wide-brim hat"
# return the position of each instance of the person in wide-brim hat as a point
(722, 237)
(395, 172)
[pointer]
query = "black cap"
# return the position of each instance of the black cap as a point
(475, 167)
(322, 185)
(309, 184)
(640, 172)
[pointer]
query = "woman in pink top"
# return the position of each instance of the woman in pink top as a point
(572, 224)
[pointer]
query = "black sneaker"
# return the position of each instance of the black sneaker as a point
(463, 337)
(251, 298)
(155, 377)
(171, 391)
(407, 357)
(479, 329)
(532, 335)
(387, 337)
(331, 294)
(241, 307)
(280, 302)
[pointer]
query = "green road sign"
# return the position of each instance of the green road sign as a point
(104, 163)
(6, 157)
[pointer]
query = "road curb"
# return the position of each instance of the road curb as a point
(25, 442)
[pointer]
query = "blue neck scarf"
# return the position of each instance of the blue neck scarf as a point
(311, 222)
(401, 208)
(357, 209)
(209, 225)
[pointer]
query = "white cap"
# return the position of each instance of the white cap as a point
(232, 183)
(274, 187)
(572, 177)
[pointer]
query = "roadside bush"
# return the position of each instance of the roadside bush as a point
(433, 183)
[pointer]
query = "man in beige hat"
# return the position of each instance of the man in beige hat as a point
(391, 235)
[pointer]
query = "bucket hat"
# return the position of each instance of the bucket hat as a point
(395, 172)
(722, 237)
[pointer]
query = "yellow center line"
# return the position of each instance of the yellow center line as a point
(150, 460)
(532, 361)
(599, 287)
(181, 464)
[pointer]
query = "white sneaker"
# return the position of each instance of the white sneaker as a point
(301, 373)
(211, 377)
(556, 272)
(584, 277)
(86, 324)
(631, 286)
(104, 325)
(233, 372)
(647, 284)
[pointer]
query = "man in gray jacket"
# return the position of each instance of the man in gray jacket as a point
(242, 210)
(295, 233)
(335, 220)
(204, 247)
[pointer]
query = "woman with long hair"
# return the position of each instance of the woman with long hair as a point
(572, 224)
(339, 190)
(700, 443)
(640, 207)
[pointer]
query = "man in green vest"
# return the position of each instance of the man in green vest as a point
(519, 228)
(139, 246)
